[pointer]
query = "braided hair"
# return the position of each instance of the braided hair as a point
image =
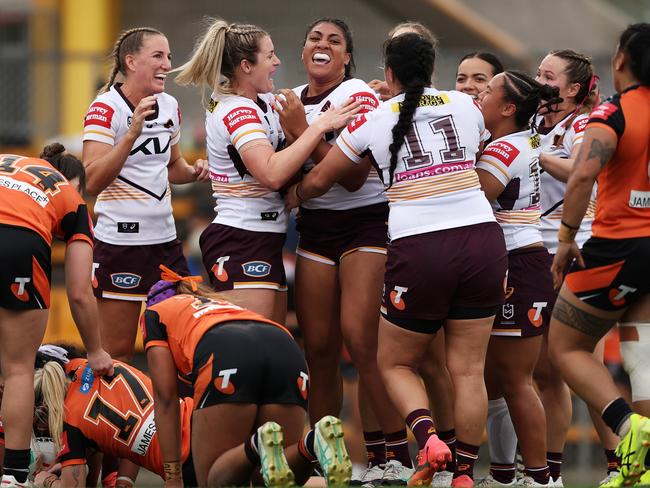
(635, 41)
(129, 42)
(411, 58)
(527, 95)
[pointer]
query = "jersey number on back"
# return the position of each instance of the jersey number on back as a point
(419, 158)
(124, 423)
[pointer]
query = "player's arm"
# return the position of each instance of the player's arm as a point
(167, 409)
(103, 162)
(321, 178)
(273, 169)
(127, 473)
(180, 171)
(559, 168)
(83, 305)
(595, 151)
(490, 184)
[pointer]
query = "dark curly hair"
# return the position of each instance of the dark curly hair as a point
(527, 95)
(67, 164)
(635, 42)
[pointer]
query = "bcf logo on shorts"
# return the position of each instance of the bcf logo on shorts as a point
(125, 280)
(256, 269)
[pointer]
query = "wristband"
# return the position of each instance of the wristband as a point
(172, 471)
(566, 234)
(126, 481)
(49, 481)
(569, 226)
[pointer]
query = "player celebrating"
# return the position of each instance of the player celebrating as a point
(242, 248)
(38, 203)
(341, 257)
(509, 174)
(610, 273)
(435, 203)
(475, 70)
(132, 153)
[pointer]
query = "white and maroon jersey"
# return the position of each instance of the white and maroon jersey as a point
(514, 161)
(435, 185)
(135, 209)
(338, 198)
(552, 190)
(241, 200)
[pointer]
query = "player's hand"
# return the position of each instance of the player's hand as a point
(145, 108)
(566, 253)
(381, 88)
(292, 114)
(101, 363)
(201, 170)
(337, 118)
(291, 199)
(176, 483)
(44, 477)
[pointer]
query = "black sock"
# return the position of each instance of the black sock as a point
(554, 460)
(613, 462)
(16, 464)
(616, 413)
(250, 448)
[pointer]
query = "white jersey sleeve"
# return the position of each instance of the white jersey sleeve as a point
(135, 209)
(434, 185)
(241, 200)
(338, 198)
(514, 161)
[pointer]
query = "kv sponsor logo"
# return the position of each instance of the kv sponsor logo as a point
(218, 269)
(223, 383)
(617, 295)
(396, 297)
(303, 386)
(535, 313)
(256, 269)
(18, 289)
(154, 149)
(125, 280)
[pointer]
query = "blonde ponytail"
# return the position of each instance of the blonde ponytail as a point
(51, 386)
(218, 53)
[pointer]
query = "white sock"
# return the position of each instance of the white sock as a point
(502, 439)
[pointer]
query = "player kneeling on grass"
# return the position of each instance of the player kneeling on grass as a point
(250, 391)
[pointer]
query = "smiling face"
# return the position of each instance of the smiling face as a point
(473, 76)
(149, 66)
(325, 52)
(552, 71)
(493, 103)
(260, 74)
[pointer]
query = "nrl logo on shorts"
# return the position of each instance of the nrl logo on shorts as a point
(508, 310)
(125, 280)
(256, 269)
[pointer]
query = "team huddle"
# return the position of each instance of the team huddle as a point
(470, 248)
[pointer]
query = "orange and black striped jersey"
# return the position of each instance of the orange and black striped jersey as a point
(115, 415)
(623, 206)
(180, 322)
(34, 195)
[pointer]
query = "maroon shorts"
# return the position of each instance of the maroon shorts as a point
(238, 259)
(25, 275)
(529, 300)
(327, 236)
(455, 273)
(127, 272)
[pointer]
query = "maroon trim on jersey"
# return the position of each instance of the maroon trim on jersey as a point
(316, 99)
(118, 89)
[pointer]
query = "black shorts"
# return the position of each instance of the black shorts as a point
(327, 236)
(25, 274)
(454, 273)
(529, 299)
(127, 272)
(237, 259)
(616, 273)
(249, 362)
